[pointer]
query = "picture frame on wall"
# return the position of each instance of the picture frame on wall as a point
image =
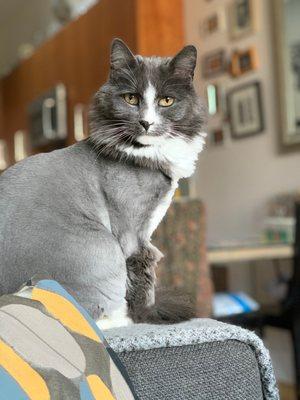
(245, 111)
(243, 61)
(217, 137)
(287, 77)
(214, 63)
(210, 25)
(213, 23)
(241, 18)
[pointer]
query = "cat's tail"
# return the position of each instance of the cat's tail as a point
(170, 307)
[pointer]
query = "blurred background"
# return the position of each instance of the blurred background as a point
(235, 223)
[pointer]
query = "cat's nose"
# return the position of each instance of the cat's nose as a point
(145, 124)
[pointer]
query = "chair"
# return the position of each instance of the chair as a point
(287, 315)
(253, 321)
(181, 238)
(198, 360)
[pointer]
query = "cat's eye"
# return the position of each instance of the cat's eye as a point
(131, 99)
(166, 101)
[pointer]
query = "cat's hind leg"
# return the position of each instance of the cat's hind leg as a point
(92, 267)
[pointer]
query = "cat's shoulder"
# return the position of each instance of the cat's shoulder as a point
(55, 163)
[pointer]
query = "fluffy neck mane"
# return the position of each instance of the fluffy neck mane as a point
(175, 157)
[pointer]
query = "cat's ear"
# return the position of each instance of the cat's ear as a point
(120, 56)
(184, 63)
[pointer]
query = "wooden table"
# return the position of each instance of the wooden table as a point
(257, 252)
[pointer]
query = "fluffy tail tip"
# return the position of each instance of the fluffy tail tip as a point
(170, 307)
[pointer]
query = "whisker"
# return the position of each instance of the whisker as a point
(183, 126)
(179, 135)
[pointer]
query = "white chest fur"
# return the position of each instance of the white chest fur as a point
(179, 154)
(159, 212)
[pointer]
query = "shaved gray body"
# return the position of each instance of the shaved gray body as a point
(85, 214)
(77, 217)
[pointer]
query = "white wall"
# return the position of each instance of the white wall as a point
(237, 179)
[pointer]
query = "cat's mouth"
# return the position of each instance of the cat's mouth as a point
(149, 140)
(139, 145)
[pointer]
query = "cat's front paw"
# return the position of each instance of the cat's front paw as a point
(116, 319)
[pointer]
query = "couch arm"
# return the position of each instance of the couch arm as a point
(200, 359)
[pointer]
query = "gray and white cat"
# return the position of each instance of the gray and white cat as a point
(85, 214)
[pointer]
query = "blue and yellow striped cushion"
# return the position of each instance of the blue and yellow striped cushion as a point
(50, 348)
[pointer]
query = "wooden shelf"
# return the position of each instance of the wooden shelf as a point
(243, 254)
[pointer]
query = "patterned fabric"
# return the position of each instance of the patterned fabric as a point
(181, 238)
(50, 348)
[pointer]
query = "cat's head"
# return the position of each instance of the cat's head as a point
(147, 105)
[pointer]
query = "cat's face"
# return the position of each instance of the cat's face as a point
(147, 101)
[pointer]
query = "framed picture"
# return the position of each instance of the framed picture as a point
(214, 63)
(217, 137)
(214, 23)
(241, 18)
(243, 61)
(295, 69)
(287, 46)
(210, 25)
(245, 112)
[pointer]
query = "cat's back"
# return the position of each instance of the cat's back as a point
(44, 176)
(40, 167)
(48, 204)
(27, 179)
(52, 219)
(48, 189)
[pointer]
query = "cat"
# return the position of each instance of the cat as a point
(85, 214)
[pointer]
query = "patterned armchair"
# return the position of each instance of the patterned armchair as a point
(181, 238)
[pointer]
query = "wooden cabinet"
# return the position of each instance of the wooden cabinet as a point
(78, 56)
